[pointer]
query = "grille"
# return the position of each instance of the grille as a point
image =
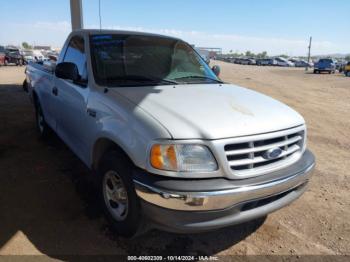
(251, 155)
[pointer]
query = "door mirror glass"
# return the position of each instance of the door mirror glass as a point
(216, 69)
(67, 70)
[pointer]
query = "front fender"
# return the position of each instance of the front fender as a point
(133, 133)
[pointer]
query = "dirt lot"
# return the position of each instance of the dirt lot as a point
(48, 207)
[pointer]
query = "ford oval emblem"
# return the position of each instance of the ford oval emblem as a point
(272, 153)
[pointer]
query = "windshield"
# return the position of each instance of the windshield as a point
(325, 61)
(120, 60)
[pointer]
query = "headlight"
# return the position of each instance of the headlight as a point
(183, 158)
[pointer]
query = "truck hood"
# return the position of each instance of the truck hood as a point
(212, 111)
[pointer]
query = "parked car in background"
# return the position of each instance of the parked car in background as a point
(325, 65)
(303, 63)
(339, 65)
(2, 55)
(38, 56)
(280, 61)
(247, 61)
(139, 117)
(238, 60)
(244, 61)
(13, 56)
(342, 67)
(293, 60)
(231, 59)
(266, 62)
(347, 69)
(28, 56)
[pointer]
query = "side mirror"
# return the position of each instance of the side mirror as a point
(216, 69)
(67, 70)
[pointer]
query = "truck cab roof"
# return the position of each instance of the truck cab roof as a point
(119, 32)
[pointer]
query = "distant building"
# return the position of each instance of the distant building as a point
(212, 51)
(42, 47)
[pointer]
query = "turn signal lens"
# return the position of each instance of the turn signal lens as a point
(164, 157)
(183, 158)
(156, 157)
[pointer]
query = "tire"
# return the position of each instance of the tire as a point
(316, 71)
(348, 73)
(25, 86)
(43, 129)
(120, 203)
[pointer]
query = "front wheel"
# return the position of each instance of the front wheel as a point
(43, 129)
(118, 196)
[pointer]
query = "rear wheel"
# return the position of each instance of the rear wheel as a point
(118, 196)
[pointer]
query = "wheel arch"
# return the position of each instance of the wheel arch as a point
(101, 147)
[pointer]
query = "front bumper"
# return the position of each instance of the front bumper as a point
(203, 204)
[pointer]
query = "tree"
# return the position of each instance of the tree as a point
(249, 54)
(25, 45)
(347, 58)
(262, 55)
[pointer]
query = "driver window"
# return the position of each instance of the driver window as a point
(76, 54)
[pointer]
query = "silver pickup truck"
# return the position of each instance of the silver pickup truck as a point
(172, 145)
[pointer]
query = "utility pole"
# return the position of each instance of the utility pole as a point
(76, 11)
(309, 54)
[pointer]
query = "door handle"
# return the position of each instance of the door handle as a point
(55, 91)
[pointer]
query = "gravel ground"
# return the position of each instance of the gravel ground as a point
(48, 205)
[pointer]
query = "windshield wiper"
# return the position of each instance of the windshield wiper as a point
(142, 79)
(200, 77)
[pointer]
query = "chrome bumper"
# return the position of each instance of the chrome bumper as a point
(221, 199)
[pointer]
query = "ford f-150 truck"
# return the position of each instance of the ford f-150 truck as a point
(172, 145)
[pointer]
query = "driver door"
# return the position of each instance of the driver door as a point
(73, 120)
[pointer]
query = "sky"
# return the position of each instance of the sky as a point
(275, 26)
